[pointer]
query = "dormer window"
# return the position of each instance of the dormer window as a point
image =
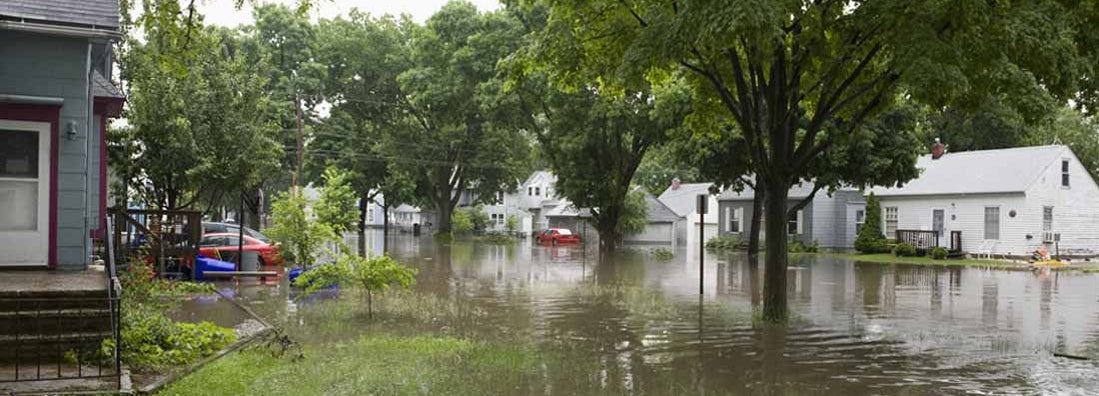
(1064, 173)
(538, 191)
(530, 191)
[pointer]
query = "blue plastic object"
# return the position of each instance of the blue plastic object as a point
(204, 264)
(294, 273)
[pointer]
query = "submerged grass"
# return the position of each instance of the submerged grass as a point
(886, 258)
(373, 364)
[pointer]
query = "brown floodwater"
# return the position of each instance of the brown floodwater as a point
(637, 325)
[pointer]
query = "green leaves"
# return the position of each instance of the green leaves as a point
(300, 236)
(336, 207)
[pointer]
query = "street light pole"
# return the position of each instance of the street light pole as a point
(703, 200)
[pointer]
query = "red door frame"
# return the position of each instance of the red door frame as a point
(52, 115)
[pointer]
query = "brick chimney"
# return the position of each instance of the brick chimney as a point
(937, 149)
(675, 184)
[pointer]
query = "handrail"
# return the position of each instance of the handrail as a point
(114, 293)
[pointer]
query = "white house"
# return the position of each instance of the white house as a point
(1001, 202)
(682, 198)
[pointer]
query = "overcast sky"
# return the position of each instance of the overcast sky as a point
(223, 12)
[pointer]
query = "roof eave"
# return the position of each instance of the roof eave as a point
(60, 30)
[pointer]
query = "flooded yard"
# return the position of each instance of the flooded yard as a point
(637, 325)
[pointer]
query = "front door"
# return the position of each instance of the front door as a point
(24, 193)
(938, 221)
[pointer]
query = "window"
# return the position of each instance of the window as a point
(499, 197)
(500, 219)
(538, 191)
(1047, 218)
(890, 221)
(370, 213)
(733, 216)
(793, 226)
(1064, 173)
(19, 201)
(992, 222)
(530, 191)
(860, 217)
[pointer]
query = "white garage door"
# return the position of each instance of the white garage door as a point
(654, 233)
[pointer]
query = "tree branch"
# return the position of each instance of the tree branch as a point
(793, 210)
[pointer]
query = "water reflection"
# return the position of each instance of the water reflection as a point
(637, 325)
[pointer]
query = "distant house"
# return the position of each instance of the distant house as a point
(830, 221)
(682, 198)
(661, 227)
(1007, 202)
(55, 100)
(538, 197)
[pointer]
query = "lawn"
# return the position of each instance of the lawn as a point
(373, 364)
(888, 258)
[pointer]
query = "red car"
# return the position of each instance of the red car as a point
(211, 244)
(556, 236)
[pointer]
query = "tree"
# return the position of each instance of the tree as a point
(336, 206)
(596, 141)
(376, 274)
(660, 167)
(870, 238)
(300, 236)
(1072, 129)
(200, 125)
(799, 80)
(635, 211)
(512, 223)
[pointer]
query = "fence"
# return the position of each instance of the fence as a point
(919, 239)
(167, 238)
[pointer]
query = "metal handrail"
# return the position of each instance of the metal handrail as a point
(114, 294)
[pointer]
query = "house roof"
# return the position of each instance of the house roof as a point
(682, 200)
(657, 212)
(102, 88)
(101, 14)
(540, 175)
(979, 172)
(801, 190)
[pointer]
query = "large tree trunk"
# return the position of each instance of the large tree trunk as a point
(445, 211)
(753, 228)
(774, 275)
(363, 202)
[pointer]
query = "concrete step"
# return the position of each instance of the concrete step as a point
(26, 349)
(49, 322)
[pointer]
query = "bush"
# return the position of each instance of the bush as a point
(375, 274)
(301, 237)
(512, 223)
(938, 253)
(497, 239)
(662, 254)
(796, 246)
(870, 239)
(149, 338)
(726, 242)
(461, 221)
(905, 250)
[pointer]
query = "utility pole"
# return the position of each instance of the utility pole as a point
(297, 166)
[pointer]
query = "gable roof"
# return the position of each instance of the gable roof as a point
(656, 211)
(801, 190)
(979, 172)
(101, 14)
(682, 200)
(540, 175)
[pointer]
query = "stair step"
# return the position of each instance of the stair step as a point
(52, 323)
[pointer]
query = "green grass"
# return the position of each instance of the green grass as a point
(888, 258)
(377, 365)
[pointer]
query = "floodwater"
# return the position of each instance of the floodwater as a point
(637, 325)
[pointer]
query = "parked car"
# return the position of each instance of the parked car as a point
(212, 244)
(210, 227)
(557, 236)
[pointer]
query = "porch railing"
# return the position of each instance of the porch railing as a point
(169, 238)
(919, 238)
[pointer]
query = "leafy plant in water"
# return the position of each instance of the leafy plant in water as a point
(512, 223)
(301, 237)
(726, 242)
(461, 221)
(662, 254)
(796, 246)
(376, 274)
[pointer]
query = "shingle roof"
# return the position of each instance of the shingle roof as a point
(657, 211)
(103, 88)
(798, 191)
(682, 200)
(98, 13)
(979, 172)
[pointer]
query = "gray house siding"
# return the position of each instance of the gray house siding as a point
(49, 66)
(807, 229)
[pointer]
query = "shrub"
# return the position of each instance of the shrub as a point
(726, 242)
(662, 254)
(301, 237)
(512, 223)
(938, 253)
(497, 239)
(375, 274)
(905, 250)
(796, 246)
(461, 221)
(870, 239)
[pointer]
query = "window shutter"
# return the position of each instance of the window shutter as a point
(800, 222)
(740, 219)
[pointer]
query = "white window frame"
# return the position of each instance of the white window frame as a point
(1066, 164)
(798, 220)
(891, 217)
(998, 217)
(1047, 221)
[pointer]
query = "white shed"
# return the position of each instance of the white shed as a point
(1003, 202)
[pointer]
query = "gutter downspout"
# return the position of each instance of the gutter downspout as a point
(88, 160)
